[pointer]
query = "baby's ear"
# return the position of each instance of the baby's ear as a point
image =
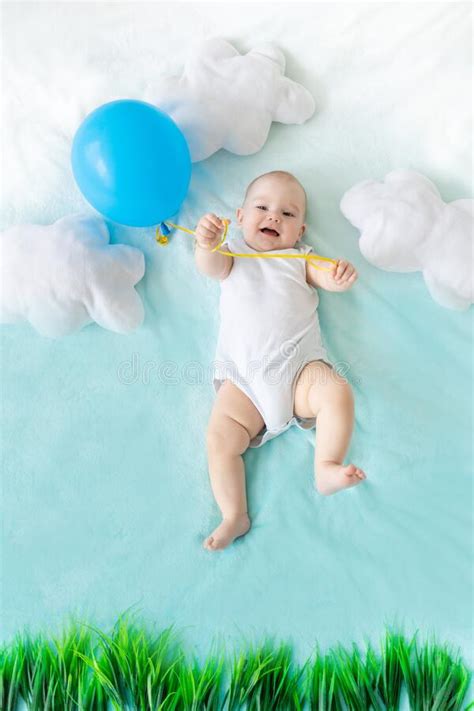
(239, 213)
(302, 230)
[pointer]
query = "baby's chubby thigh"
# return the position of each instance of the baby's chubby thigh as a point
(317, 384)
(234, 420)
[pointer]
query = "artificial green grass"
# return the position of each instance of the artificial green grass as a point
(129, 669)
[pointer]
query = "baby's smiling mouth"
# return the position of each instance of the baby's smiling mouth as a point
(269, 231)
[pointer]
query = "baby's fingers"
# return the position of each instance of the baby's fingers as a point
(347, 282)
(346, 273)
(219, 221)
(210, 226)
(214, 220)
(340, 268)
(204, 234)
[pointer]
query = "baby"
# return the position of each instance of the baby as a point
(271, 369)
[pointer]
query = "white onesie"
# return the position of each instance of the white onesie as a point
(269, 330)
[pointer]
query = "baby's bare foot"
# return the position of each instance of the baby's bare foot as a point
(229, 529)
(332, 477)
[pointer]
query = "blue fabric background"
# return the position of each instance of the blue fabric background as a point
(106, 498)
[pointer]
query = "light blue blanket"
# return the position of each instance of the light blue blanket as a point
(106, 498)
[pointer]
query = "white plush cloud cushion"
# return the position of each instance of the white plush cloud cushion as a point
(227, 100)
(406, 226)
(60, 277)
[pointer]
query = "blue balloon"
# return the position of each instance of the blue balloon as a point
(131, 162)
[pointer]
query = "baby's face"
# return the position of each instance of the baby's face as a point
(272, 214)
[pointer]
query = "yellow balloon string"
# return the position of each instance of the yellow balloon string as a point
(312, 258)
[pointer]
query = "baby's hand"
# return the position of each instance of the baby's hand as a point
(209, 231)
(342, 275)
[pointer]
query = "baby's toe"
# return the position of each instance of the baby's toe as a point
(350, 470)
(214, 544)
(207, 542)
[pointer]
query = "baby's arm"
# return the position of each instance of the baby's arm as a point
(340, 277)
(208, 235)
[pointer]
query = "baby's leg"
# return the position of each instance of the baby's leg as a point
(324, 394)
(234, 422)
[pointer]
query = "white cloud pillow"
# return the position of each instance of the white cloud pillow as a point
(60, 277)
(406, 226)
(227, 100)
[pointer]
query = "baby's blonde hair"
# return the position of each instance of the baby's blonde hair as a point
(282, 173)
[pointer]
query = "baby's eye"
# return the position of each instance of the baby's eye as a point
(290, 214)
(261, 207)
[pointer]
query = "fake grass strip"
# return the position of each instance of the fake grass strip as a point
(130, 669)
(263, 678)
